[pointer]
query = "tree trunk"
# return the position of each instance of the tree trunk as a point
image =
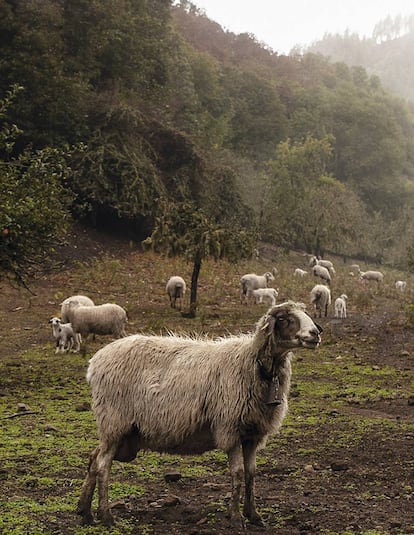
(194, 285)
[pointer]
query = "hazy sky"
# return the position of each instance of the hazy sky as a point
(282, 24)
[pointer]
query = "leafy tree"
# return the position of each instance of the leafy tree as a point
(184, 229)
(258, 120)
(34, 201)
(306, 207)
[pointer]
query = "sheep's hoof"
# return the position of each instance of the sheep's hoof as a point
(106, 518)
(237, 522)
(86, 517)
(255, 519)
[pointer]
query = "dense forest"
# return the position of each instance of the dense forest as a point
(387, 53)
(147, 117)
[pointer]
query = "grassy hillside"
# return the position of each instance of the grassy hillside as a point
(342, 463)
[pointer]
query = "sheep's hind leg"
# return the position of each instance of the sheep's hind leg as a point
(249, 457)
(104, 460)
(236, 471)
(85, 500)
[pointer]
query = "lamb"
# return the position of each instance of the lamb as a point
(176, 290)
(81, 299)
(251, 281)
(63, 334)
(98, 319)
(340, 306)
(322, 273)
(269, 294)
(321, 299)
(186, 395)
(300, 272)
(372, 276)
(401, 285)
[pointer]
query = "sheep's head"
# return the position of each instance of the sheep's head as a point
(289, 326)
(55, 321)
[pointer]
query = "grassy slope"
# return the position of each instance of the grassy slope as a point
(43, 455)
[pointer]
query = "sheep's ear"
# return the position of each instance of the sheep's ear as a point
(271, 323)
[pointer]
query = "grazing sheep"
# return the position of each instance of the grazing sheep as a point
(340, 306)
(322, 273)
(185, 396)
(314, 261)
(99, 319)
(300, 272)
(251, 281)
(372, 276)
(63, 334)
(81, 299)
(269, 294)
(175, 289)
(321, 299)
(401, 285)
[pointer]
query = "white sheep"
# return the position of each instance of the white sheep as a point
(175, 289)
(401, 285)
(314, 261)
(63, 334)
(81, 299)
(322, 273)
(321, 299)
(340, 306)
(372, 276)
(300, 272)
(251, 281)
(108, 318)
(270, 294)
(185, 396)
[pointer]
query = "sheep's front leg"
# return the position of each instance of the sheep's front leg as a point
(249, 448)
(85, 500)
(236, 471)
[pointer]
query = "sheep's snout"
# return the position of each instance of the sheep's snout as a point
(309, 333)
(311, 340)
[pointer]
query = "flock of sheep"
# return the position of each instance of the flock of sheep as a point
(187, 395)
(256, 286)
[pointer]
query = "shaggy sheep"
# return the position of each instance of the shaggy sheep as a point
(401, 285)
(251, 281)
(63, 334)
(269, 294)
(340, 306)
(175, 289)
(321, 299)
(371, 276)
(99, 319)
(185, 396)
(300, 272)
(81, 299)
(322, 273)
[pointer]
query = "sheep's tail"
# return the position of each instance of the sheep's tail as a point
(179, 290)
(316, 297)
